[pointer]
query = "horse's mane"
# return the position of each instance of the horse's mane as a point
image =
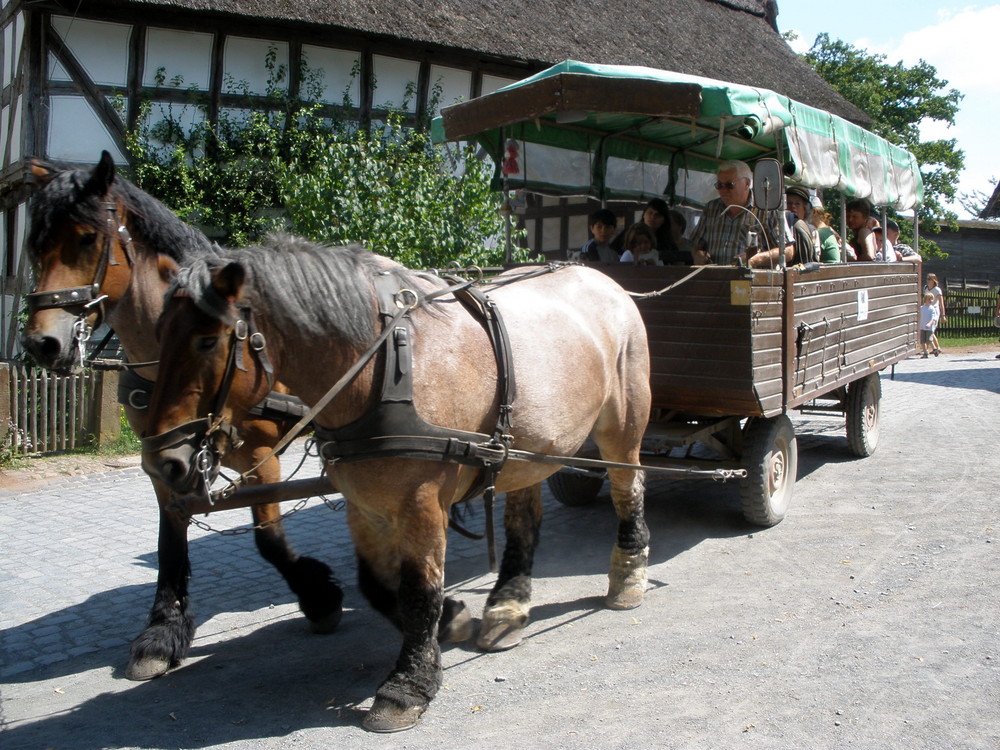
(66, 198)
(301, 285)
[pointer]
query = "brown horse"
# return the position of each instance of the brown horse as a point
(95, 241)
(581, 368)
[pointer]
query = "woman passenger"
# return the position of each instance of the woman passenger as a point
(829, 240)
(656, 216)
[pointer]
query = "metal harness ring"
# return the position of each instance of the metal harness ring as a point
(399, 299)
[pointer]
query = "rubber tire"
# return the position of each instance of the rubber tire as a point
(575, 490)
(862, 411)
(771, 458)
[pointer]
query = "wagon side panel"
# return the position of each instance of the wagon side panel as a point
(700, 338)
(848, 321)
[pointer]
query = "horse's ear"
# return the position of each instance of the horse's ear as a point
(100, 179)
(228, 281)
(40, 171)
(167, 267)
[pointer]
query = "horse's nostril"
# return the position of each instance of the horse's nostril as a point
(172, 470)
(45, 349)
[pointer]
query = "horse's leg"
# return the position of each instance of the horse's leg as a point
(507, 606)
(312, 581)
(319, 593)
(401, 571)
(167, 636)
(630, 555)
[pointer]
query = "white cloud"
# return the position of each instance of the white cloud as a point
(962, 47)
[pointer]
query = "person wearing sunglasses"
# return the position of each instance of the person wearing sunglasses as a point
(732, 230)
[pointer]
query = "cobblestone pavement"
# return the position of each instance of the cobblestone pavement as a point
(868, 618)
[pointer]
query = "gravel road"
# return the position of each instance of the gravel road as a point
(867, 619)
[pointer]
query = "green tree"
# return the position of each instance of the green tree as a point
(297, 165)
(976, 201)
(899, 99)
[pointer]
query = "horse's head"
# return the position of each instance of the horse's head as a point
(213, 369)
(78, 245)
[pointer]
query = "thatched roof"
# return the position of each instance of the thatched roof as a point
(992, 208)
(731, 40)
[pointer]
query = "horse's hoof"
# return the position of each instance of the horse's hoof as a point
(502, 627)
(146, 668)
(326, 624)
(456, 623)
(628, 599)
(388, 716)
(627, 579)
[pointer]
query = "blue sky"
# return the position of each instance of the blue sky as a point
(959, 39)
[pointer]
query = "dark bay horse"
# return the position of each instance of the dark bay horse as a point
(581, 368)
(95, 236)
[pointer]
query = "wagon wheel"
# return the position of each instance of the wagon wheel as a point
(863, 398)
(771, 459)
(575, 489)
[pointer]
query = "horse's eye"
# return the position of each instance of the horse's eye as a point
(88, 239)
(207, 343)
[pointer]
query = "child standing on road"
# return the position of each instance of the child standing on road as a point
(929, 316)
(933, 287)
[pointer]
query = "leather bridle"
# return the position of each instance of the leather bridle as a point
(201, 432)
(88, 297)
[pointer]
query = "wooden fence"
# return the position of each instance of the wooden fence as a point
(45, 413)
(970, 312)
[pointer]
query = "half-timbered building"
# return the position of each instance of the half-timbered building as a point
(73, 74)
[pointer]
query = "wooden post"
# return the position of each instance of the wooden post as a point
(106, 424)
(5, 397)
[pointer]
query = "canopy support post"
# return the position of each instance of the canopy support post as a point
(843, 228)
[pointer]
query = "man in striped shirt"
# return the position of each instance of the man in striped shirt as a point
(731, 228)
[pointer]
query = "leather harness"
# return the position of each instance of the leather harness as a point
(393, 428)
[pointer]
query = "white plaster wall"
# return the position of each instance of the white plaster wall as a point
(336, 66)
(188, 116)
(4, 129)
(492, 83)
(578, 232)
(456, 85)
(13, 33)
(187, 54)
(15, 142)
(76, 133)
(244, 60)
(392, 76)
(100, 47)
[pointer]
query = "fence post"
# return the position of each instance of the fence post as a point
(5, 397)
(107, 423)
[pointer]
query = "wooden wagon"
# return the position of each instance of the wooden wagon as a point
(734, 350)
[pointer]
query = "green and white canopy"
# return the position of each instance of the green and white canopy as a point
(626, 132)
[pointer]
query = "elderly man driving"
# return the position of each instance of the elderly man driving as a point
(731, 228)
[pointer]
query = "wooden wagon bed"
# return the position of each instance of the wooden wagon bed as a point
(731, 341)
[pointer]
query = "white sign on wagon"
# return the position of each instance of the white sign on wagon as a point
(862, 304)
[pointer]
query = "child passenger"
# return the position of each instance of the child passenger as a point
(640, 246)
(928, 324)
(598, 250)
